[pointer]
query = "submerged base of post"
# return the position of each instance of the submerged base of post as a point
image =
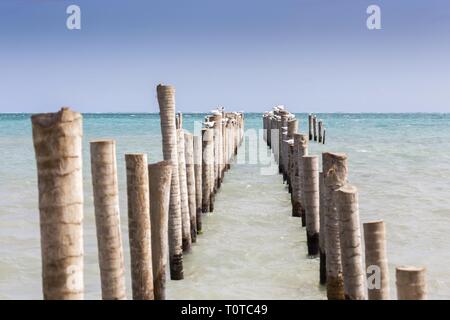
(313, 244)
(335, 288)
(323, 268)
(176, 267)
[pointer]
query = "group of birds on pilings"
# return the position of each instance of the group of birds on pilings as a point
(328, 207)
(197, 178)
(316, 129)
(165, 200)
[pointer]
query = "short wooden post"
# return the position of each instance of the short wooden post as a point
(139, 231)
(198, 181)
(166, 101)
(185, 216)
(311, 200)
(57, 139)
(320, 131)
(335, 176)
(411, 283)
(300, 150)
(323, 138)
(322, 233)
(190, 176)
(376, 260)
(107, 219)
(160, 175)
(346, 199)
(207, 166)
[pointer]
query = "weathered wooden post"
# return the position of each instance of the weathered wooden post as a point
(217, 118)
(57, 139)
(376, 260)
(139, 226)
(312, 202)
(198, 181)
(207, 166)
(335, 176)
(190, 176)
(411, 283)
(322, 233)
(323, 138)
(300, 150)
(320, 131)
(166, 101)
(315, 127)
(160, 175)
(346, 199)
(107, 219)
(290, 169)
(185, 217)
(310, 126)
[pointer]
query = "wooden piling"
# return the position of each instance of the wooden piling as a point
(322, 233)
(185, 215)
(190, 177)
(311, 202)
(166, 101)
(207, 167)
(320, 131)
(139, 226)
(323, 138)
(107, 219)
(198, 181)
(376, 260)
(335, 176)
(160, 175)
(346, 199)
(315, 127)
(57, 139)
(300, 150)
(217, 118)
(411, 283)
(310, 127)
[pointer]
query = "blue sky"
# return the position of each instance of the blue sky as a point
(310, 55)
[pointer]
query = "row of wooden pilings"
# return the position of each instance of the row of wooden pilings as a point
(316, 129)
(165, 200)
(328, 207)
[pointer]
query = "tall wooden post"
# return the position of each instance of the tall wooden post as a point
(160, 175)
(185, 217)
(198, 181)
(346, 199)
(411, 283)
(57, 139)
(107, 219)
(207, 167)
(139, 226)
(322, 233)
(300, 150)
(217, 118)
(311, 200)
(310, 126)
(190, 177)
(335, 176)
(320, 131)
(315, 127)
(376, 260)
(166, 101)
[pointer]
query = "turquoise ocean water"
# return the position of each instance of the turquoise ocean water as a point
(251, 247)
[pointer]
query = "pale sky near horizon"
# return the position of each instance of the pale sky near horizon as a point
(309, 55)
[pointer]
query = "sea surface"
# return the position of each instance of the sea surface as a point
(251, 247)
